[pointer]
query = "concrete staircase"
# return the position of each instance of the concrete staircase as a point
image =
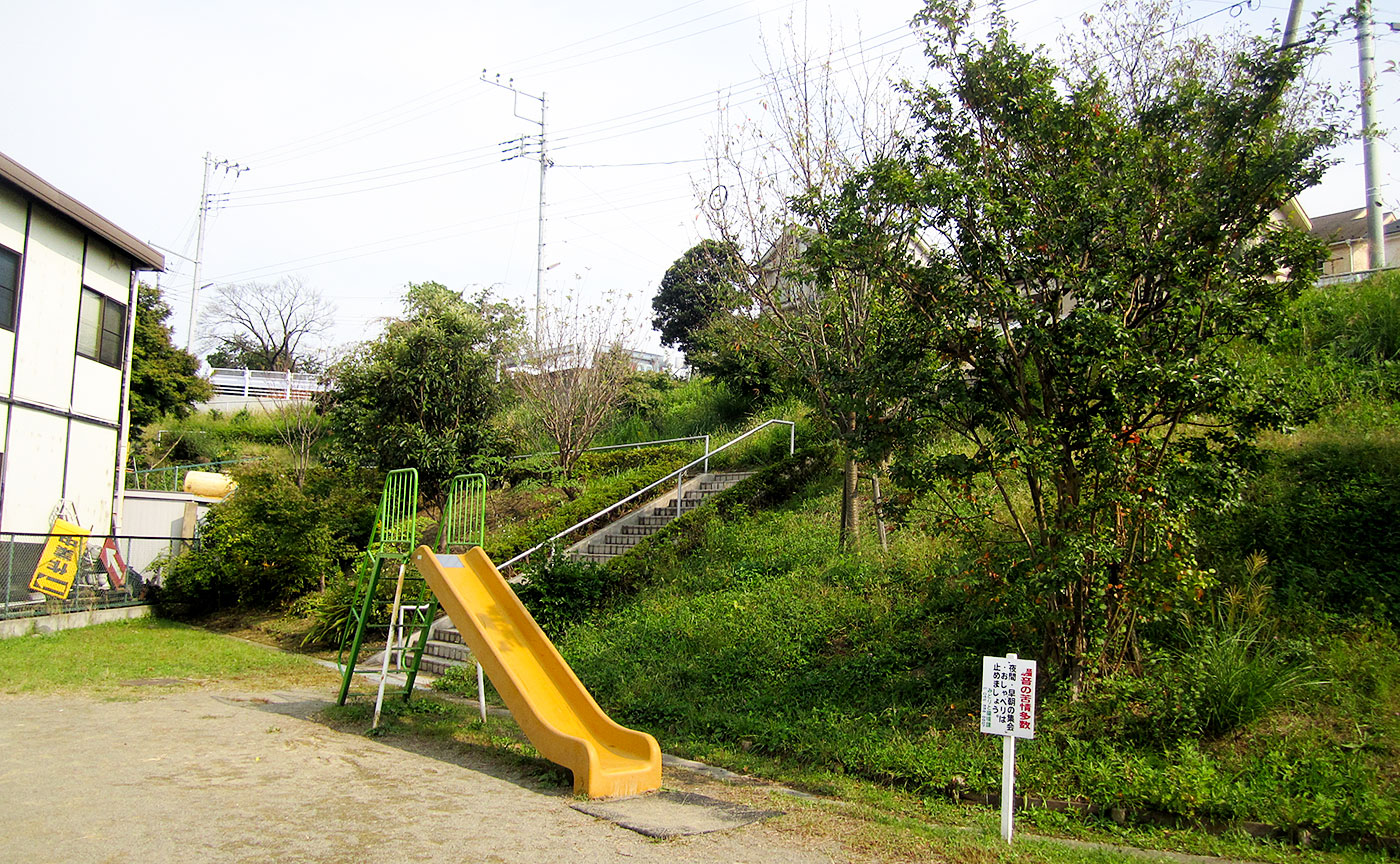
(445, 648)
(623, 534)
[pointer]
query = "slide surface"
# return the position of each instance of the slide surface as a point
(545, 696)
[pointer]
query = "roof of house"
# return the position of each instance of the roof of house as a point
(14, 174)
(1349, 225)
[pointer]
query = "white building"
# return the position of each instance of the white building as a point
(67, 306)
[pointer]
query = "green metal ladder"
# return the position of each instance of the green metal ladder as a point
(392, 542)
(463, 525)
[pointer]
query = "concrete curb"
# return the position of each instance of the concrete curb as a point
(13, 627)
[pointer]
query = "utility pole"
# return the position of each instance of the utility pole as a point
(205, 203)
(1365, 49)
(199, 245)
(1290, 30)
(516, 148)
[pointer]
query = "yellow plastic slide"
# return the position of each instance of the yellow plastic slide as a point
(542, 692)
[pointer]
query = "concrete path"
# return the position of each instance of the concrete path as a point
(225, 777)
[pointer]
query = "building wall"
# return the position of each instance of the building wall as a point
(1355, 256)
(59, 413)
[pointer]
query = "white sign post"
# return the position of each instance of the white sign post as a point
(1008, 710)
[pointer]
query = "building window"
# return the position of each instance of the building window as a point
(9, 287)
(101, 328)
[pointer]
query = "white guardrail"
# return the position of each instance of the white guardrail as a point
(253, 383)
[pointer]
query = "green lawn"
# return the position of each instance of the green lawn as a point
(99, 659)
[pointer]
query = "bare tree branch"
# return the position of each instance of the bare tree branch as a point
(272, 326)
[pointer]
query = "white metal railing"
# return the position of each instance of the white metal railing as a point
(705, 438)
(678, 475)
(266, 385)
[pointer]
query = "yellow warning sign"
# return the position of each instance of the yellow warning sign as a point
(58, 566)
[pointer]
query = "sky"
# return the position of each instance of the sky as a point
(375, 156)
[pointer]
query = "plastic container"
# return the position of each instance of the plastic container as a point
(209, 484)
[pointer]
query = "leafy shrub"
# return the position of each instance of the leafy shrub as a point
(458, 680)
(657, 406)
(266, 545)
(330, 610)
(562, 590)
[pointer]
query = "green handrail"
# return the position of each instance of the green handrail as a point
(137, 475)
(464, 516)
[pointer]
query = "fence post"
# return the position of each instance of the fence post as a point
(247, 382)
(9, 573)
(289, 384)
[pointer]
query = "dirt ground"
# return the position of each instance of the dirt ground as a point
(206, 776)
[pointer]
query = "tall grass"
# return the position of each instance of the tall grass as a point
(1358, 321)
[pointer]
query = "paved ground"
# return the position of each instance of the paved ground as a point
(201, 776)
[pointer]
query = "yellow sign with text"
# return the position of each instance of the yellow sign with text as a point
(58, 566)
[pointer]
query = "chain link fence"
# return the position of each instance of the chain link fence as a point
(100, 579)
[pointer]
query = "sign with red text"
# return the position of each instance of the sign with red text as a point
(1008, 696)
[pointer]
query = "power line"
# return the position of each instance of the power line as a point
(636, 164)
(441, 97)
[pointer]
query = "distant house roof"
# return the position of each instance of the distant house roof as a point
(1349, 225)
(16, 175)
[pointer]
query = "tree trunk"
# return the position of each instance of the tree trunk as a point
(849, 513)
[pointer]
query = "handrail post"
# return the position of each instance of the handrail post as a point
(792, 438)
(706, 468)
(680, 479)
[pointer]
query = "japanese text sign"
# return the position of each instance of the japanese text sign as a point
(1008, 696)
(58, 565)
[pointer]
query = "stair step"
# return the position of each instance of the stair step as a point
(437, 665)
(446, 650)
(447, 634)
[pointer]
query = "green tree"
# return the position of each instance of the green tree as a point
(705, 282)
(164, 379)
(422, 394)
(1071, 325)
(808, 323)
